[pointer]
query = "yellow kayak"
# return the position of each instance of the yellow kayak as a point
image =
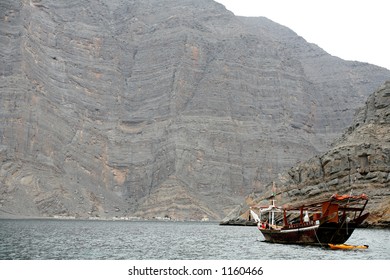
(347, 247)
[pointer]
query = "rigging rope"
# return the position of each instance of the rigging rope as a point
(315, 232)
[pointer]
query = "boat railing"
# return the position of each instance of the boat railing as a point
(300, 225)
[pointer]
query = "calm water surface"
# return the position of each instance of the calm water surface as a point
(114, 240)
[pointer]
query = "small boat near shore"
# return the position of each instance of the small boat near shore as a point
(347, 247)
(329, 221)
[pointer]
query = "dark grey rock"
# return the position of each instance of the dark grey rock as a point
(174, 108)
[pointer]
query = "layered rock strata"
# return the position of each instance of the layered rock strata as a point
(158, 108)
(359, 162)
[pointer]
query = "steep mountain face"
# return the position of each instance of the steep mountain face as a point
(359, 162)
(159, 108)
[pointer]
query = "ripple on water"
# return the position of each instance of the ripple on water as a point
(53, 239)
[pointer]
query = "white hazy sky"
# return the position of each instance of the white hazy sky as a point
(350, 29)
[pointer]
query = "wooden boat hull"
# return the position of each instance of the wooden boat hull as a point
(303, 235)
(335, 233)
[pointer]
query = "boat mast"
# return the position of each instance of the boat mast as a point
(273, 203)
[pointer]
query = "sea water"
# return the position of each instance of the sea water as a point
(146, 240)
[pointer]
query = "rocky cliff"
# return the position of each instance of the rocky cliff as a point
(359, 162)
(152, 108)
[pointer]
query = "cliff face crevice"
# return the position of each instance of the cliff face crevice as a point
(151, 108)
